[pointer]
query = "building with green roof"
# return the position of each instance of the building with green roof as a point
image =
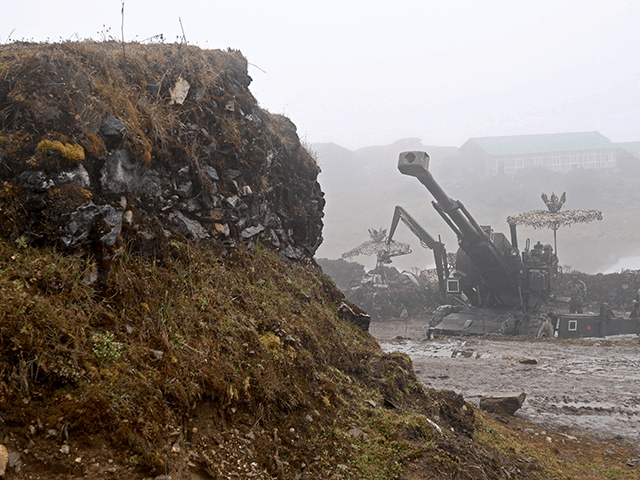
(560, 152)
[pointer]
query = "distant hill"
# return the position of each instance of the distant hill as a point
(362, 187)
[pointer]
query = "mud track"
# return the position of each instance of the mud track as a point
(591, 386)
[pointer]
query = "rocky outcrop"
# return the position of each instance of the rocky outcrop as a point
(165, 143)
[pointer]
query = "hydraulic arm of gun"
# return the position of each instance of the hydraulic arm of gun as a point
(426, 240)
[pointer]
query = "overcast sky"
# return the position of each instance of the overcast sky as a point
(361, 73)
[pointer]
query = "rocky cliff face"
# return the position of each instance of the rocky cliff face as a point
(102, 148)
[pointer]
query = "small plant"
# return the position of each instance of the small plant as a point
(21, 242)
(611, 472)
(106, 348)
(177, 340)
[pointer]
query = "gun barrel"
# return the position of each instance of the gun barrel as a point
(416, 164)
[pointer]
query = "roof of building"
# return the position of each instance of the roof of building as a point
(543, 143)
(632, 147)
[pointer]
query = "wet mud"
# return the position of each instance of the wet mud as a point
(591, 385)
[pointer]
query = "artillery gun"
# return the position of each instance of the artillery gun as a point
(495, 287)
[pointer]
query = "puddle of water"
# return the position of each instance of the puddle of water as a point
(423, 349)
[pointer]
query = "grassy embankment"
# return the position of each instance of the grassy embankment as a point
(231, 364)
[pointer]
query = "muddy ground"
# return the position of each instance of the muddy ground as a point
(587, 386)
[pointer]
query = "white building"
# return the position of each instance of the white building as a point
(557, 151)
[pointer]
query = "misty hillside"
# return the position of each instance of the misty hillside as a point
(362, 188)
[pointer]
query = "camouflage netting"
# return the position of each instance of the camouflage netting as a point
(539, 219)
(378, 246)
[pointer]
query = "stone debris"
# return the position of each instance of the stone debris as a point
(252, 231)
(158, 354)
(113, 130)
(179, 92)
(528, 361)
(15, 461)
(187, 227)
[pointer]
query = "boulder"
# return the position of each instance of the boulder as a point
(104, 220)
(211, 172)
(113, 130)
(354, 314)
(36, 182)
(78, 176)
(118, 172)
(502, 404)
(528, 361)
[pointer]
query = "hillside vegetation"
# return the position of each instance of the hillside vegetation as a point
(211, 365)
(224, 365)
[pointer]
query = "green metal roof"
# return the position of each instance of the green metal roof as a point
(632, 147)
(543, 143)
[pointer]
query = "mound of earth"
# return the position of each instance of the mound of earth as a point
(203, 365)
(619, 290)
(104, 146)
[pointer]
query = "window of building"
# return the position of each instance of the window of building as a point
(590, 161)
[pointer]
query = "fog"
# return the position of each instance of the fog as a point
(368, 73)
(362, 188)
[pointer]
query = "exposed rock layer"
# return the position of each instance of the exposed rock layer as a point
(171, 143)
